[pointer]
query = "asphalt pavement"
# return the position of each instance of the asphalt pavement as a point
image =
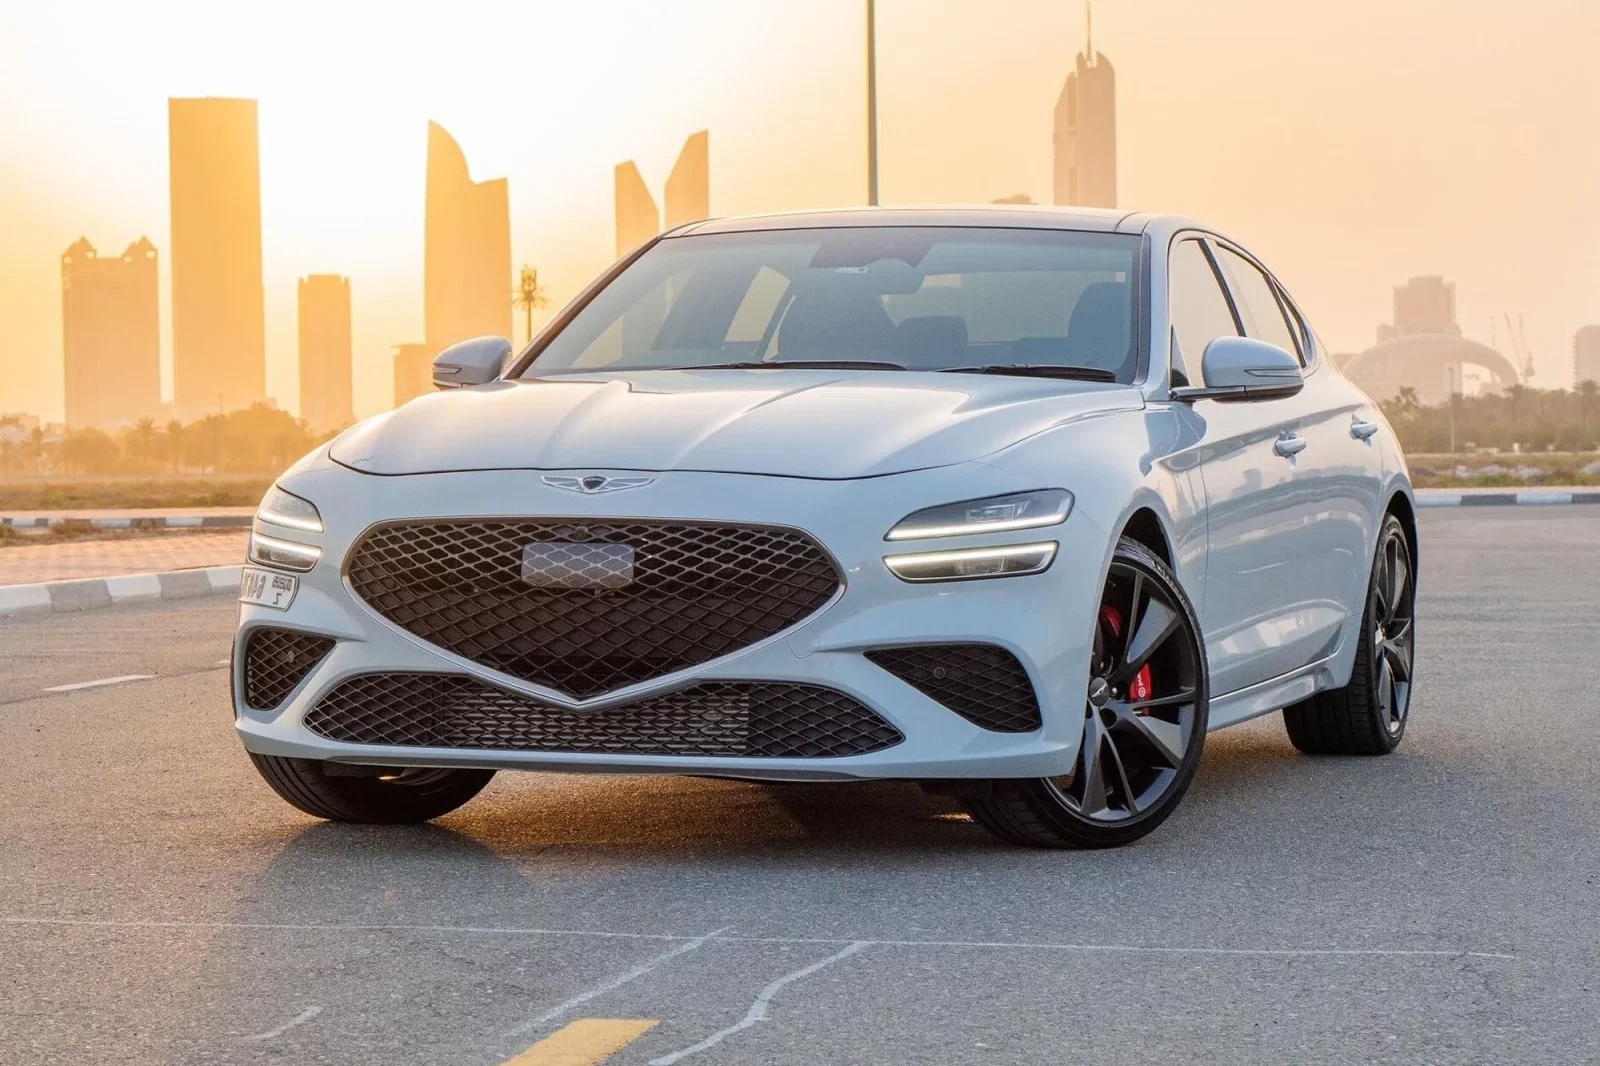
(159, 905)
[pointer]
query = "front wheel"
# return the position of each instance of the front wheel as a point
(373, 795)
(1144, 721)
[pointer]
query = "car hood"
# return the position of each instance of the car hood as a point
(790, 423)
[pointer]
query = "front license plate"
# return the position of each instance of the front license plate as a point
(267, 589)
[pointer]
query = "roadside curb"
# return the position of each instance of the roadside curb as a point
(1512, 498)
(187, 521)
(57, 597)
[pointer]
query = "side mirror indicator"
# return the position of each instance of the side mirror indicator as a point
(471, 362)
(1240, 368)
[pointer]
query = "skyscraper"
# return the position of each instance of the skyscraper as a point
(111, 335)
(325, 351)
(413, 371)
(1586, 354)
(1423, 305)
(1086, 131)
(637, 217)
(688, 192)
(466, 271)
(219, 358)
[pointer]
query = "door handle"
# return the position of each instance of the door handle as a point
(1290, 444)
(1361, 429)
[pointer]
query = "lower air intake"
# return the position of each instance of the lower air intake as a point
(276, 661)
(984, 684)
(722, 718)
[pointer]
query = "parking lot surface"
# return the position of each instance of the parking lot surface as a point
(159, 905)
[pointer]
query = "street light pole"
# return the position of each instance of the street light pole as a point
(872, 105)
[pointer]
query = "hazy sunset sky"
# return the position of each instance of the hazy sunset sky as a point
(1351, 143)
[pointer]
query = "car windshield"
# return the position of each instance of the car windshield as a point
(879, 298)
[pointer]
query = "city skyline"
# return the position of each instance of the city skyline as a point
(1084, 138)
(686, 195)
(1471, 171)
(466, 272)
(111, 341)
(219, 359)
(325, 371)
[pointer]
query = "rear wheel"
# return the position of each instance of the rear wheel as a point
(374, 795)
(1144, 721)
(1368, 716)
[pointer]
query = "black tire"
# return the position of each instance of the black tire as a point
(399, 797)
(1044, 812)
(1368, 716)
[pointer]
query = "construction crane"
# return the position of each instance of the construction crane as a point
(1519, 347)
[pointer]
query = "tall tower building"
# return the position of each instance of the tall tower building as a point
(466, 270)
(111, 335)
(413, 371)
(1423, 305)
(324, 307)
(688, 192)
(637, 217)
(1586, 354)
(219, 360)
(1086, 131)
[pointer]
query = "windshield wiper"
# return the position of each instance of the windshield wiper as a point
(790, 364)
(1039, 370)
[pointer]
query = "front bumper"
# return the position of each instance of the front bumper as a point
(1045, 620)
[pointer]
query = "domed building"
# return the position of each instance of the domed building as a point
(1425, 362)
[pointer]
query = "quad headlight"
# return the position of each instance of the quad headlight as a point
(965, 564)
(282, 554)
(994, 514)
(286, 509)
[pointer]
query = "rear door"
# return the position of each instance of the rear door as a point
(1325, 468)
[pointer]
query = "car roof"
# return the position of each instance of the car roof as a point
(1013, 216)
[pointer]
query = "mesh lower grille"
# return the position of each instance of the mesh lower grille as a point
(984, 684)
(726, 718)
(275, 661)
(542, 600)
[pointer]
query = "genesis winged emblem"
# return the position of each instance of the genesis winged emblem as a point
(593, 483)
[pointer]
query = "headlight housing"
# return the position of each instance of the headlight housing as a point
(992, 514)
(286, 509)
(282, 554)
(967, 564)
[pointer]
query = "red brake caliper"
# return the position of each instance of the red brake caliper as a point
(1139, 687)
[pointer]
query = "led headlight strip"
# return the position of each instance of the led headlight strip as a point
(283, 554)
(966, 564)
(994, 514)
(286, 509)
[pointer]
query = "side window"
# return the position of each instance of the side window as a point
(1310, 347)
(1199, 309)
(1258, 303)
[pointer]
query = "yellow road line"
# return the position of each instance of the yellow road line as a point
(585, 1042)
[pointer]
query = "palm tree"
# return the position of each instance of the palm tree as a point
(1516, 394)
(7, 445)
(175, 444)
(142, 438)
(1588, 390)
(36, 448)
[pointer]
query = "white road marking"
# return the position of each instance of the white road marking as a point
(299, 1019)
(75, 686)
(224, 662)
(1001, 945)
(758, 1009)
(612, 983)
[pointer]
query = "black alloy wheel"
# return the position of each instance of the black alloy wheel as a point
(1144, 721)
(1368, 716)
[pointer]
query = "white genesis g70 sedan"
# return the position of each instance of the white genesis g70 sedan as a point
(1014, 503)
